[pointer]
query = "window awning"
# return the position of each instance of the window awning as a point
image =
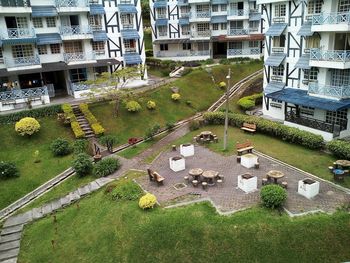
(160, 4)
(162, 22)
(43, 11)
(274, 86)
(301, 97)
(127, 9)
(17, 41)
(184, 21)
(218, 2)
(275, 59)
(303, 62)
(130, 34)
(99, 36)
(254, 17)
(46, 39)
(218, 19)
(132, 58)
(96, 9)
(276, 29)
(305, 30)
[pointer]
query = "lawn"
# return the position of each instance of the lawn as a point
(20, 150)
(196, 87)
(103, 230)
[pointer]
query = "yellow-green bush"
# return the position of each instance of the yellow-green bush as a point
(222, 85)
(27, 126)
(78, 132)
(147, 201)
(97, 129)
(95, 125)
(175, 96)
(151, 105)
(133, 106)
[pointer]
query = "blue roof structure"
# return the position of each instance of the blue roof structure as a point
(132, 58)
(43, 11)
(218, 19)
(275, 59)
(160, 4)
(274, 86)
(127, 8)
(276, 29)
(130, 34)
(17, 41)
(301, 97)
(97, 9)
(254, 17)
(184, 21)
(46, 39)
(162, 22)
(305, 30)
(99, 36)
(303, 62)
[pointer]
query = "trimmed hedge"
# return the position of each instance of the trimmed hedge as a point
(339, 148)
(106, 167)
(273, 196)
(95, 125)
(78, 132)
(248, 102)
(286, 133)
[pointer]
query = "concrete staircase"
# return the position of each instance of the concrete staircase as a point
(177, 72)
(83, 123)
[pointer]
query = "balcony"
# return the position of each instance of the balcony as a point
(161, 16)
(243, 52)
(18, 94)
(78, 57)
(198, 1)
(96, 27)
(12, 34)
(182, 2)
(128, 26)
(201, 34)
(72, 5)
(99, 53)
(29, 61)
(339, 59)
(15, 6)
(277, 50)
(186, 53)
(76, 32)
(331, 22)
(337, 92)
(237, 32)
(200, 16)
(237, 14)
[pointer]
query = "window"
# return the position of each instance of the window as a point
(37, 22)
(254, 26)
(314, 7)
(253, 43)
(186, 46)
(185, 11)
(98, 47)
(20, 51)
(280, 10)
(50, 21)
(42, 49)
(337, 117)
(340, 77)
(55, 48)
(95, 22)
(162, 31)
(202, 8)
(78, 75)
(311, 74)
(223, 26)
(279, 41)
(130, 45)
(215, 27)
(223, 7)
(215, 8)
(276, 103)
(236, 24)
(22, 22)
(313, 41)
(127, 19)
(203, 27)
(163, 47)
(1, 56)
(307, 110)
(203, 46)
(344, 6)
(73, 47)
(185, 30)
(278, 71)
(235, 45)
(161, 12)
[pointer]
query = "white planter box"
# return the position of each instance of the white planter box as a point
(187, 150)
(177, 164)
(247, 185)
(249, 160)
(308, 188)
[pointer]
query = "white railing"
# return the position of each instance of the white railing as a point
(279, 19)
(15, 3)
(79, 86)
(240, 52)
(237, 12)
(96, 27)
(278, 50)
(185, 15)
(127, 26)
(195, 34)
(161, 16)
(77, 56)
(11, 33)
(75, 30)
(205, 14)
(338, 92)
(330, 55)
(186, 53)
(130, 50)
(331, 18)
(71, 3)
(237, 31)
(97, 53)
(22, 61)
(17, 94)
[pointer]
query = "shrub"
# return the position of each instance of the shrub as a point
(194, 125)
(106, 167)
(170, 126)
(78, 132)
(152, 131)
(151, 105)
(222, 85)
(147, 201)
(246, 104)
(8, 170)
(82, 164)
(27, 126)
(80, 146)
(273, 196)
(339, 148)
(67, 108)
(175, 96)
(133, 106)
(60, 147)
(108, 141)
(97, 129)
(95, 125)
(126, 191)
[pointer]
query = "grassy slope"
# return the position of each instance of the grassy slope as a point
(103, 230)
(21, 149)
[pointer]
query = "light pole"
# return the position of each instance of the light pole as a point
(226, 112)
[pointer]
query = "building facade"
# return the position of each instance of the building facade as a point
(50, 47)
(307, 65)
(201, 29)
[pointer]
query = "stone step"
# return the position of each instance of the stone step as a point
(11, 230)
(85, 128)
(19, 219)
(89, 136)
(89, 132)
(9, 245)
(11, 237)
(11, 260)
(9, 254)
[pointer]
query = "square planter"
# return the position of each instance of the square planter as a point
(249, 160)
(308, 188)
(247, 182)
(177, 163)
(187, 150)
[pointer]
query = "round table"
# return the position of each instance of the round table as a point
(195, 173)
(338, 171)
(206, 133)
(210, 175)
(343, 163)
(275, 175)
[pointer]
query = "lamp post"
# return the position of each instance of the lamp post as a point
(226, 112)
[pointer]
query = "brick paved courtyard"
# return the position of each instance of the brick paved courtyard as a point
(228, 198)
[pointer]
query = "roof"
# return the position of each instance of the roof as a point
(305, 30)
(303, 62)
(275, 59)
(218, 19)
(160, 4)
(99, 36)
(132, 58)
(16, 41)
(162, 22)
(254, 17)
(301, 97)
(274, 86)
(184, 21)
(251, 37)
(46, 39)
(130, 34)
(43, 11)
(97, 9)
(127, 8)
(276, 29)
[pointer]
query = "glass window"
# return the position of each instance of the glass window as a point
(253, 43)
(215, 26)
(95, 22)
(130, 45)
(203, 46)
(235, 45)
(223, 26)
(185, 30)
(20, 51)
(313, 41)
(50, 21)
(215, 8)
(186, 46)
(337, 117)
(162, 30)
(278, 71)
(55, 48)
(161, 12)
(344, 6)
(254, 25)
(163, 46)
(127, 19)
(223, 7)
(22, 22)
(311, 74)
(236, 24)
(98, 45)
(185, 11)
(73, 47)
(340, 77)
(280, 10)
(203, 27)
(279, 41)
(314, 7)
(202, 8)
(78, 75)
(42, 49)
(37, 22)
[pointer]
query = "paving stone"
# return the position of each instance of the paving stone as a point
(74, 196)
(10, 237)
(12, 260)
(37, 213)
(13, 253)
(94, 186)
(46, 209)
(11, 229)
(19, 219)
(103, 181)
(56, 204)
(65, 200)
(9, 245)
(84, 190)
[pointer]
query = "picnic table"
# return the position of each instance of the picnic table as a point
(275, 175)
(342, 163)
(210, 175)
(195, 173)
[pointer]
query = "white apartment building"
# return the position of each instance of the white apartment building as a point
(307, 64)
(48, 48)
(201, 29)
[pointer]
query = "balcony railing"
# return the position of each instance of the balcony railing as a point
(71, 3)
(11, 33)
(278, 50)
(185, 15)
(96, 27)
(15, 3)
(331, 18)
(182, 2)
(330, 55)
(17, 94)
(338, 92)
(240, 52)
(22, 61)
(77, 56)
(75, 30)
(237, 12)
(127, 26)
(79, 86)
(187, 53)
(98, 53)
(195, 34)
(205, 14)
(161, 16)
(237, 32)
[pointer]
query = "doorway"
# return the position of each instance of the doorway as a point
(56, 83)
(219, 49)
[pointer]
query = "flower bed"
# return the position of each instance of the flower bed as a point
(95, 125)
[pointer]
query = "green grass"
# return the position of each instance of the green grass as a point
(103, 230)
(21, 149)
(147, 37)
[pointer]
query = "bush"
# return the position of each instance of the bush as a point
(246, 104)
(222, 85)
(97, 129)
(77, 130)
(340, 149)
(27, 126)
(151, 105)
(106, 167)
(149, 53)
(152, 131)
(273, 196)
(80, 146)
(82, 164)
(194, 125)
(175, 96)
(133, 106)
(147, 201)
(60, 147)
(126, 191)
(170, 126)
(109, 141)
(8, 170)
(95, 125)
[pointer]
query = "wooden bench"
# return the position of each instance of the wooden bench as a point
(244, 147)
(249, 127)
(155, 177)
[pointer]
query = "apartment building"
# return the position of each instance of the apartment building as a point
(48, 48)
(307, 65)
(201, 29)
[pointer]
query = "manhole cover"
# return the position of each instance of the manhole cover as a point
(179, 186)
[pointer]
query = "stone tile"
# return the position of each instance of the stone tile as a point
(37, 213)
(74, 196)
(56, 204)
(11, 230)
(94, 186)
(19, 219)
(65, 200)
(103, 181)
(11, 237)
(12, 260)
(46, 209)
(9, 245)
(84, 190)
(13, 253)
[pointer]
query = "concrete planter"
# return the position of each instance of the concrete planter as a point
(248, 183)
(177, 164)
(308, 188)
(187, 150)
(249, 160)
